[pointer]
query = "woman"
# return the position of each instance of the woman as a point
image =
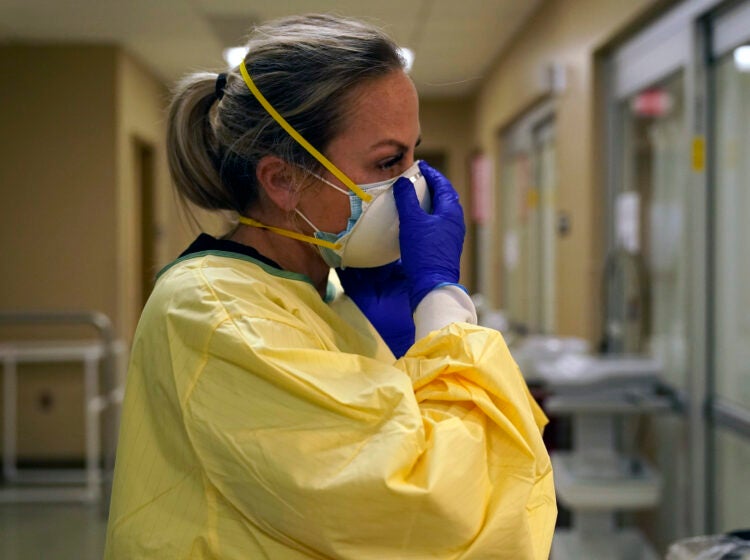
(265, 414)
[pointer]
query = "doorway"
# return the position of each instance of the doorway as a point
(145, 170)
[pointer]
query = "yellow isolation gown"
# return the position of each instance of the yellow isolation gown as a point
(262, 421)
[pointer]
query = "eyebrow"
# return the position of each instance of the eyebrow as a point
(396, 143)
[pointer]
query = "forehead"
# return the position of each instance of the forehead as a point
(384, 106)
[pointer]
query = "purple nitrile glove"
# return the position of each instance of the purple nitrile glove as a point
(382, 294)
(431, 244)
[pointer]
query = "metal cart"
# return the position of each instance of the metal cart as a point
(102, 358)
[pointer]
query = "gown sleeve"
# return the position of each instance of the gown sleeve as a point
(337, 455)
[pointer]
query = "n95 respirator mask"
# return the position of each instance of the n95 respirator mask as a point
(371, 235)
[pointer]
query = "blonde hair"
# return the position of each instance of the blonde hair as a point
(306, 66)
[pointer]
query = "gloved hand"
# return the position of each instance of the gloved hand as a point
(382, 294)
(431, 244)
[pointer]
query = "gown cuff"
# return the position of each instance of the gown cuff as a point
(441, 307)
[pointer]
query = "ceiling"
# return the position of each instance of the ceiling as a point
(454, 41)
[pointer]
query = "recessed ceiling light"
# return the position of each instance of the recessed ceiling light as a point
(234, 55)
(742, 58)
(408, 56)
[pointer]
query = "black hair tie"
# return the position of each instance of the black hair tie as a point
(221, 83)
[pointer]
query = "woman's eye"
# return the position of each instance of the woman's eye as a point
(387, 164)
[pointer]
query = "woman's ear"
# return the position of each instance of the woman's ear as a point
(276, 177)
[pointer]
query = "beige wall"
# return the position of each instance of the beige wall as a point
(57, 174)
(67, 170)
(140, 108)
(70, 236)
(564, 32)
(57, 218)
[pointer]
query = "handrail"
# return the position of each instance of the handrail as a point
(94, 318)
(729, 415)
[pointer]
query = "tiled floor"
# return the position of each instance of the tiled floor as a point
(51, 532)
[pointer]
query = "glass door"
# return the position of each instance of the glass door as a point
(651, 255)
(678, 268)
(528, 184)
(732, 226)
(543, 137)
(730, 401)
(516, 183)
(650, 271)
(653, 251)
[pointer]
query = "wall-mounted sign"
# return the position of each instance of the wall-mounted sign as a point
(654, 103)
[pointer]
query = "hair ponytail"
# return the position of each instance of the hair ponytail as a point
(194, 154)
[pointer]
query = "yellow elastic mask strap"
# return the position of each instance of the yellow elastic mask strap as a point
(351, 185)
(292, 234)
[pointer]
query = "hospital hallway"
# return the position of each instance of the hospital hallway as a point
(600, 152)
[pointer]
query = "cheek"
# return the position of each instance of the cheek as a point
(332, 211)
